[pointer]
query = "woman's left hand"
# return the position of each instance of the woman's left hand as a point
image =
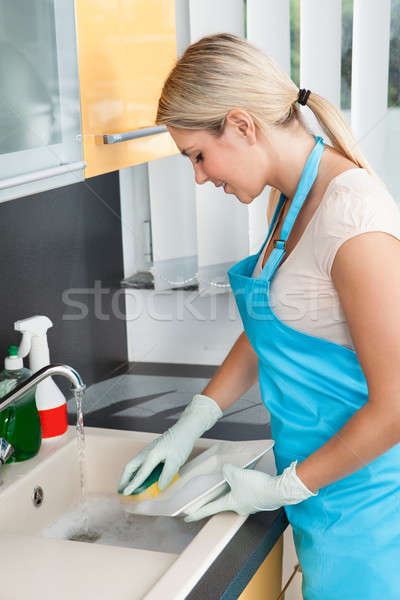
(252, 491)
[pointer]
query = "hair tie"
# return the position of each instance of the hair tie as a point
(303, 96)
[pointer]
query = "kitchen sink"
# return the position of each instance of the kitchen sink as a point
(48, 553)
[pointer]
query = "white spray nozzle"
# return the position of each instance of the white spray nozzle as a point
(36, 326)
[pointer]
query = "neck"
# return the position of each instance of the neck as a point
(290, 150)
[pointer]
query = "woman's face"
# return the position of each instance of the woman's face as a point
(235, 159)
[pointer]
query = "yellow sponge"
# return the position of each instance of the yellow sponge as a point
(149, 488)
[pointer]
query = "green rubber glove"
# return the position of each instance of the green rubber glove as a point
(173, 447)
(252, 491)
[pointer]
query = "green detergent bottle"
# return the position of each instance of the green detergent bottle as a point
(19, 422)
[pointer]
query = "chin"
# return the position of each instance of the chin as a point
(245, 199)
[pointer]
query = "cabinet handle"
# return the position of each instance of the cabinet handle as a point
(295, 570)
(115, 138)
(44, 174)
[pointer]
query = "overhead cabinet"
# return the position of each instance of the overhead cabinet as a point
(40, 126)
(125, 51)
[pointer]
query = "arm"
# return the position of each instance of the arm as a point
(367, 277)
(237, 374)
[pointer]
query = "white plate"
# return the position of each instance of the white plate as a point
(201, 479)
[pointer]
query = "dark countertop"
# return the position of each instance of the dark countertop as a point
(232, 570)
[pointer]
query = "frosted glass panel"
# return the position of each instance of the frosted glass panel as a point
(30, 104)
(40, 120)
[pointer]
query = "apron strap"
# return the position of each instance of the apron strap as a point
(281, 201)
(306, 181)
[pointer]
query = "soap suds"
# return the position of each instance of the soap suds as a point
(111, 525)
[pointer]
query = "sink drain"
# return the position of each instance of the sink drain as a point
(37, 496)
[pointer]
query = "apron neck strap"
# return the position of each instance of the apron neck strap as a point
(306, 181)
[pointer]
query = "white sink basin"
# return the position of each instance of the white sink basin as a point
(153, 567)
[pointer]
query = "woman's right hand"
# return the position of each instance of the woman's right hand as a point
(170, 448)
(173, 447)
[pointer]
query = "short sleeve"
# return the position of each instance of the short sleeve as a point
(345, 213)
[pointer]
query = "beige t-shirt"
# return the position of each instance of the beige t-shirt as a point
(302, 293)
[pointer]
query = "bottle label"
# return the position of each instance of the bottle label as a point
(54, 421)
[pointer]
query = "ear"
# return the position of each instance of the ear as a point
(242, 124)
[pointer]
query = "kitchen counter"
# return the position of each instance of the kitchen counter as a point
(235, 566)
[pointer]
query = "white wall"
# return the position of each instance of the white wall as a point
(180, 327)
(173, 211)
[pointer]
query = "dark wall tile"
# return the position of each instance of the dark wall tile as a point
(67, 241)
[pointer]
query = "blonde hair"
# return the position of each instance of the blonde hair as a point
(223, 71)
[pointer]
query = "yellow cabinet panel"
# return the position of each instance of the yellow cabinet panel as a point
(126, 49)
(267, 581)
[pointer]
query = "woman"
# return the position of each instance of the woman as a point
(327, 361)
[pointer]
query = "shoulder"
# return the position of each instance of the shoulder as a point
(355, 196)
(355, 202)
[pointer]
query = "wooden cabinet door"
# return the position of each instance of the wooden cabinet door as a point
(266, 583)
(125, 51)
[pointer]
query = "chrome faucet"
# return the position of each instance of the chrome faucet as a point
(6, 450)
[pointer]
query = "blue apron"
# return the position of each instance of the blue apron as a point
(347, 537)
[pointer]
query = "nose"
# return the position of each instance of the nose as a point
(199, 175)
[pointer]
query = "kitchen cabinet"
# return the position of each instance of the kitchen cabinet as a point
(291, 574)
(40, 146)
(266, 584)
(125, 51)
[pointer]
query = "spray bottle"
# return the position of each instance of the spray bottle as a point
(50, 401)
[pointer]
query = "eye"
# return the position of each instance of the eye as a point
(199, 157)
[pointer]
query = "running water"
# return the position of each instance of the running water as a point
(80, 432)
